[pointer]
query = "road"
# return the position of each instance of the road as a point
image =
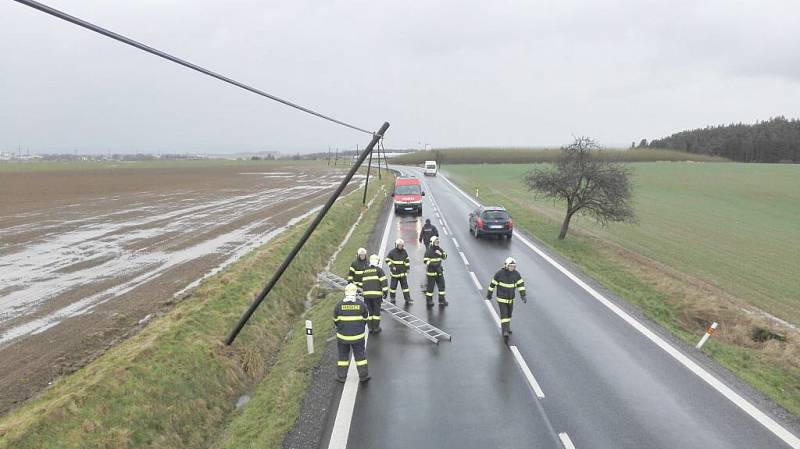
(597, 377)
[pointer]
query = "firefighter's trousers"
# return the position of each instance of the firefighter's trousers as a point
(374, 307)
(506, 308)
(359, 349)
(403, 280)
(437, 280)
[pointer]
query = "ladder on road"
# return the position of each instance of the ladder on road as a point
(411, 321)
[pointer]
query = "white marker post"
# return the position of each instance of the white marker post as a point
(477, 192)
(309, 337)
(709, 332)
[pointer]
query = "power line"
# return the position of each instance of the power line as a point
(125, 40)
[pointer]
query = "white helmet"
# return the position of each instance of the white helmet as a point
(398, 243)
(374, 260)
(350, 291)
(510, 261)
(362, 252)
(434, 239)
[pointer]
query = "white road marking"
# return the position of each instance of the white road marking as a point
(773, 426)
(446, 232)
(344, 415)
(475, 280)
(492, 312)
(463, 257)
(455, 242)
(527, 372)
(566, 441)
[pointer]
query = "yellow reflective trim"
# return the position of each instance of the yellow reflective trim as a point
(406, 290)
(494, 282)
(505, 320)
(522, 289)
(401, 275)
(520, 282)
(375, 317)
(361, 362)
(350, 337)
(432, 273)
(370, 278)
(505, 301)
(343, 363)
(491, 288)
(503, 284)
(350, 318)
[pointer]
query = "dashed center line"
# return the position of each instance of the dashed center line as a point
(527, 372)
(475, 280)
(566, 441)
(455, 242)
(463, 257)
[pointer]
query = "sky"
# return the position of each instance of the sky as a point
(444, 73)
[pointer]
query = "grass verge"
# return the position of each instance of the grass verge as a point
(275, 405)
(684, 304)
(174, 385)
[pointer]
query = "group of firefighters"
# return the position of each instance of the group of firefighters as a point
(354, 316)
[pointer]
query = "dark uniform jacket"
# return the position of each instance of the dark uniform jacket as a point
(357, 271)
(428, 231)
(374, 282)
(351, 319)
(506, 283)
(398, 262)
(433, 259)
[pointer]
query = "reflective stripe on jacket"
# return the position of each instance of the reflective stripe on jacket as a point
(351, 319)
(398, 262)
(357, 271)
(507, 283)
(433, 259)
(374, 282)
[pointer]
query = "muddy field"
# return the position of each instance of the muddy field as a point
(88, 256)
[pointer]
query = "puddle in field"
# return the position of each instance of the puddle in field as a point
(74, 253)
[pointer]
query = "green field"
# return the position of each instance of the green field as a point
(448, 156)
(736, 226)
(715, 242)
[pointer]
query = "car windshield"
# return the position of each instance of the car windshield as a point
(408, 189)
(495, 215)
(430, 166)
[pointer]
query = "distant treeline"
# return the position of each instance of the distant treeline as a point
(538, 155)
(774, 140)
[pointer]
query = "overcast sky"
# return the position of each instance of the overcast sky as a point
(447, 73)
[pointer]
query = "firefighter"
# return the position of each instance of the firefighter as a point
(357, 267)
(398, 263)
(433, 260)
(428, 231)
(350, 316)
(375, 288)
(507, 281)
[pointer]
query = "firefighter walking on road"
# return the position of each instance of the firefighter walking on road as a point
(350, 316)
(375, 288)
(357, 267)
(399, 263)
(506, 283)
(435, 274)
(427, 232)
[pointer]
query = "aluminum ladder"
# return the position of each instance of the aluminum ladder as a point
(434, 334)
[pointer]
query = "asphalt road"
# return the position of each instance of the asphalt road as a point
(605, 383)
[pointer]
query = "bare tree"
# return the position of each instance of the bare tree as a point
(589, 185)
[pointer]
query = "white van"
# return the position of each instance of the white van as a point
(430, 168)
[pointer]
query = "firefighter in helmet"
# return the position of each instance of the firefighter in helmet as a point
(375, 288)
(350, 316)
(506, 283)
(434, 256)
(399, 263)
(358, 266)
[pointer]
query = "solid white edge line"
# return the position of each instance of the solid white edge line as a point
(493, 313)
(463, 257)
(566, 441)
(475, 280)
(444, 228)
(344, 414)
(527, 372)
(455, 242)
(766, 421)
